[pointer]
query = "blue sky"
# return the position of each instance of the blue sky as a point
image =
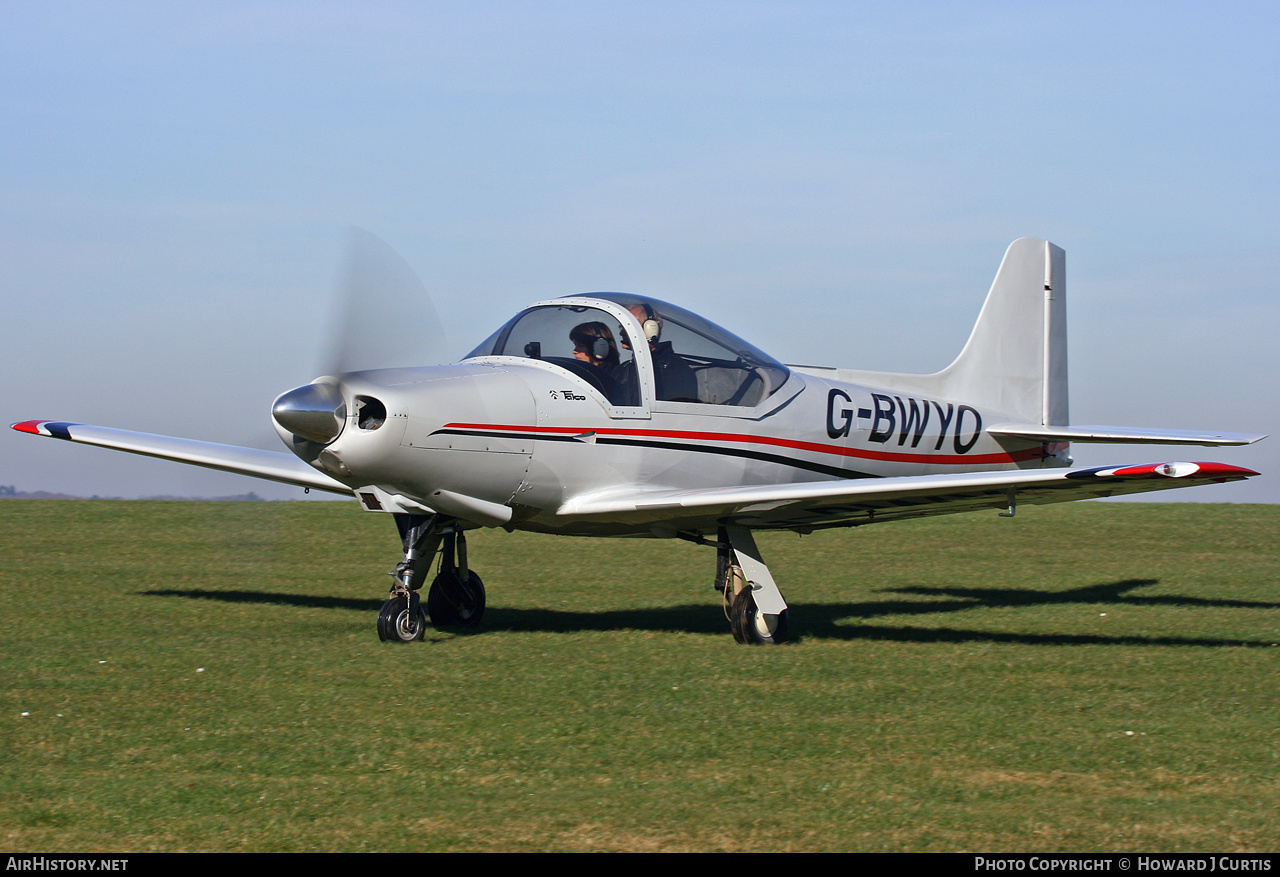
(835, 182)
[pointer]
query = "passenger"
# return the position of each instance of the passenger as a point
(593, 343)
(674, 378)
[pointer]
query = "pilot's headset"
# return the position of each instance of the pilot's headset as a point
(651, 324)
(597, 346)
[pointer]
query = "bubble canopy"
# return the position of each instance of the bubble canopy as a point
(694, 360)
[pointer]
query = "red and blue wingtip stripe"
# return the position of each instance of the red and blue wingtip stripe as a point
(1212, 471)
(51, 428)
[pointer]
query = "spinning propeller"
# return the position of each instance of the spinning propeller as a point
(382, 317)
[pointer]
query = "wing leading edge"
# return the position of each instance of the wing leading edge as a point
(816, 505)
(270, 465)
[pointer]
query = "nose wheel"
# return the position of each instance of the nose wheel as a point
(402, 620)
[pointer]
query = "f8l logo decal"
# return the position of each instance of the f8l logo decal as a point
(909, 419)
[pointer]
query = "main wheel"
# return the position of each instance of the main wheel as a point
(751, 626)
(401, 622)
(454, 603)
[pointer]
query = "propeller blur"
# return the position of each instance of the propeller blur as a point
(618, 415)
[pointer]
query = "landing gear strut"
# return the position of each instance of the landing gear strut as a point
(754, 605)
(456, 596)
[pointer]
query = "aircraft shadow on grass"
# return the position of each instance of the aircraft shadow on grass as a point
(820, 620)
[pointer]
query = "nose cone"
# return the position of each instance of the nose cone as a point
(316, 412)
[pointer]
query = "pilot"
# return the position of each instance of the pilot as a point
(674, 378)
(593, 343)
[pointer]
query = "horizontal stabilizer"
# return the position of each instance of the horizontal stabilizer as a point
(271, 465)
(1121, 435)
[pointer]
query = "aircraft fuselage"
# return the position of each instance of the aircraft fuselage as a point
(525, 436)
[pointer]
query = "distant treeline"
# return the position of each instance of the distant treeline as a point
(8, 491)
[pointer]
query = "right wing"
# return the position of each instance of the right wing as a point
(271, 465)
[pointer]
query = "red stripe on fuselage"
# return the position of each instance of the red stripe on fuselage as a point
(813, 447)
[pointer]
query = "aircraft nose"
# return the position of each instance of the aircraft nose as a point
(316, 412)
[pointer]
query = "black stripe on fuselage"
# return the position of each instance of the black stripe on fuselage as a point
(671, 446)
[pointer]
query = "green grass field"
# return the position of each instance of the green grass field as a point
(207, 676)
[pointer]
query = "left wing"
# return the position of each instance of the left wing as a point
(815, 505)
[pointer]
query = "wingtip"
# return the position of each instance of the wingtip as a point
(1225, 471)
(50, 428)
(1216, 471)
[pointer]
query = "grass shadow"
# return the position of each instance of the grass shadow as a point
(820, 620)
(1111, 593)
(270, 598)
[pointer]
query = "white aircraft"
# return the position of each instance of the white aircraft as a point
(618, 415)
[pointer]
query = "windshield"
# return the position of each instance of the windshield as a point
(586, 341)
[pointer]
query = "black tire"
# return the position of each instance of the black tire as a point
(451, 603)
(401, 620)
(752, 627)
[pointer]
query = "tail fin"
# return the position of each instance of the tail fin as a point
(1015, 361)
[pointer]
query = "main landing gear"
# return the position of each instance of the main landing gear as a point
(456, 596)
(753, 604)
